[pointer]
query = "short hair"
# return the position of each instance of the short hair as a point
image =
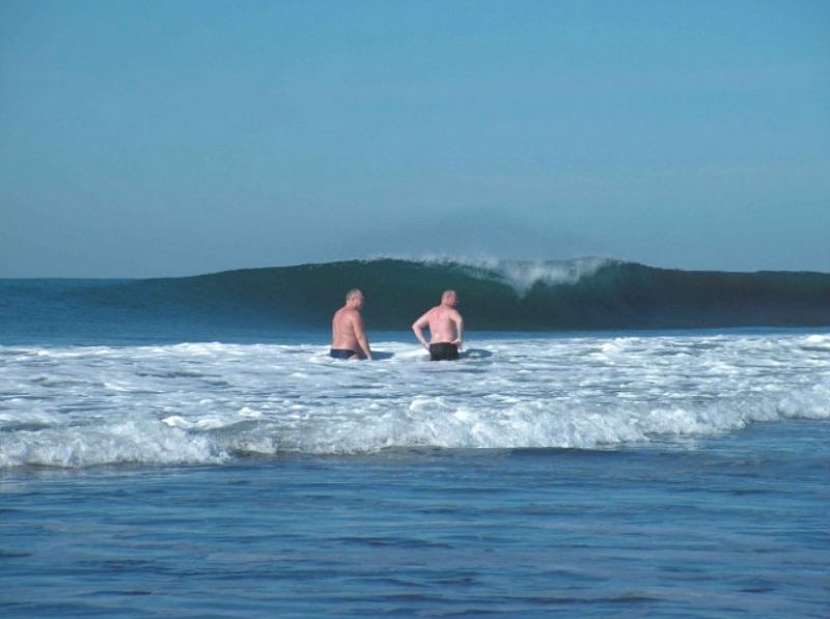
(353, 293)
(448, 292)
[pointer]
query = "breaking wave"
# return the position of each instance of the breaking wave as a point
(582, 294)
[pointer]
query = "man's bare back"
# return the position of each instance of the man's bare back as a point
(446, 328)
(348, 334)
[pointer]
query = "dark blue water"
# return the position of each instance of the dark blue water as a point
(733, 527)
(576, 295)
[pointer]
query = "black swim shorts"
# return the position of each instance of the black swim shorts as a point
(341, 353)
(443, 352)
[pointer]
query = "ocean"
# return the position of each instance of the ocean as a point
(616, 441)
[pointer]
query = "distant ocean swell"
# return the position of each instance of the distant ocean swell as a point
(495, 295)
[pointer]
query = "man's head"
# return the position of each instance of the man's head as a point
(354, 298)
(449, 298)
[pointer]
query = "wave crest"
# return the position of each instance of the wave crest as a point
(521, 275)
(582, 294)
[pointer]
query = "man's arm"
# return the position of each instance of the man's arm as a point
(360, 335)
(459, 329)
(418, 327)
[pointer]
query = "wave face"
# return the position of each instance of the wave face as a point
(80, 406)
(584, 294)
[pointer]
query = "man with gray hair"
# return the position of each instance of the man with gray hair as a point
(446, 328)
(348, 335)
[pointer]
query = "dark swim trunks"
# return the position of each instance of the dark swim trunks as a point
(443, 352)
(341, 353)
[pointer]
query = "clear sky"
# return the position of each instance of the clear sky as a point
(150, 138)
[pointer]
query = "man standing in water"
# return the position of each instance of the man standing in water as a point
(446, 328)
(348, 336)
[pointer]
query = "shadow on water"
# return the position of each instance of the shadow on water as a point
(473, 353)
(476, 353)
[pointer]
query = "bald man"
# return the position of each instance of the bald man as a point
(348, 335)
(446, 328)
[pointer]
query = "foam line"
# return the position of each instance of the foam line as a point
(209, 403)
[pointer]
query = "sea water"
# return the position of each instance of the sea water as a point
(680, 474)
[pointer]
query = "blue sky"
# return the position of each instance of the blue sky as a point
(171, 138)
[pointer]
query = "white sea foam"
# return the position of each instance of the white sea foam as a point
(522, 275)
(207, 403)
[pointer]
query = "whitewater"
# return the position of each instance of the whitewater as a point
(198, 403)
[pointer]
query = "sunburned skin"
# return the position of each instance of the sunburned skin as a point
(347, 329)
(444, 321)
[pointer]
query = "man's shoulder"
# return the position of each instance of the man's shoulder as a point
(345, 312)
(351, 313)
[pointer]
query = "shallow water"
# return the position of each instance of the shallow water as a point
(735, 526)
(679, 475)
